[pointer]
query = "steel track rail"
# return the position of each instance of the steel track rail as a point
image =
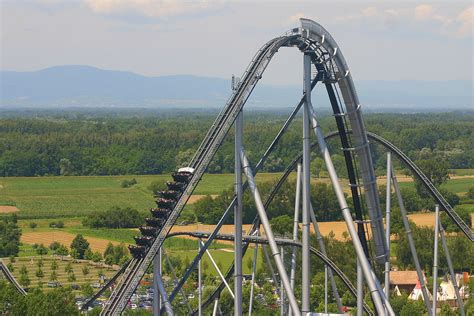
(374, 137)
(310, 37)
(208, 149)
(280, 242)
(9, 276)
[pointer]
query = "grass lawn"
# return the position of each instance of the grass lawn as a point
(458, 186)
(223, 259)
(53, 197)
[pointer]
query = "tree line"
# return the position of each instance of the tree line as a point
(109, 145)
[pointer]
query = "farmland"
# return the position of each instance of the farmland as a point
(52, 197)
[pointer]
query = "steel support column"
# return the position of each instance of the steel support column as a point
(360, 290)
(435, 259)
(252, 285)
(322, 247)
(156, 292)
(238, 218)
(295, 229)
(387, 223)
(269, 233)
(451, 270)
(411, 243)
(199, 282)
(364, 262)
(305, 266)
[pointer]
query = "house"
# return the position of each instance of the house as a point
(404, 280)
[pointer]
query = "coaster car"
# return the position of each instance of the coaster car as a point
(154, 222)
(137, 251)
(144, 240)
(149, 231)
(165, 203)
(182, 176)
(176, 186)
(170, 194)
(160, 212)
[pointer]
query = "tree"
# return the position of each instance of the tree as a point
(54, 245)
(80, 245)
(71, 277)
(62, 251)
(282, 225)
(65, 167)
(436, 168)
(85, 271)
(41, 250)
(24, 279)
(9, 236)
(53, 276)
(68, 268)
(87, 290)
(39, 273)
(54, 265)
(413, 308)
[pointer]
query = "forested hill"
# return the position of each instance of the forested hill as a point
(85, 86)
(51, 145)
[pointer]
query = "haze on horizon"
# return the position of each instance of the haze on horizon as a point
(389, 40)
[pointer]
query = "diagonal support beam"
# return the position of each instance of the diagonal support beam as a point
(232, 204)
(411, 243)
(377, 296)
(269, 233)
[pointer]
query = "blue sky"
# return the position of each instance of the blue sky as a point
(381, 40)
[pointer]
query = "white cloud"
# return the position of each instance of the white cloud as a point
(151, 8)
(370, 11)
(424, 12)
(466, 19)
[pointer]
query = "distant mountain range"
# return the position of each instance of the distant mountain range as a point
(84, 86)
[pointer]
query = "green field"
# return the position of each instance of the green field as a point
(458, 186)
(52, 197)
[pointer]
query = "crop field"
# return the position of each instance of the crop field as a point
(31, 264)
(52, 197)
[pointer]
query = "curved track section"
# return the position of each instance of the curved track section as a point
(387, 145)
(280, 242)
(9, 276)
(310, 38)
(426, 182)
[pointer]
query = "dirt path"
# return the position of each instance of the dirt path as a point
(5, 209)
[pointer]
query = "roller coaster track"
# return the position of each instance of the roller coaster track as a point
(310, 38)
(9, 276)
(281, 242)
(313, 39)
(374, 138)
(437, 196)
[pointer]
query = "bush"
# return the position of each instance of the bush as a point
(128, 183)
(33, 225)
(470, 193)
(115, 217)
(156, 186)
(58, 224)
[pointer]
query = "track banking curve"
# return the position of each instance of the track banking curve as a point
(309, 38)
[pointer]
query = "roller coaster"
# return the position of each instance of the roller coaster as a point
(323, 63)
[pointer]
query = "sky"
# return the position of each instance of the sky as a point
(381, 40)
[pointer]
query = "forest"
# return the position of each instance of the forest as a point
(58, 143)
